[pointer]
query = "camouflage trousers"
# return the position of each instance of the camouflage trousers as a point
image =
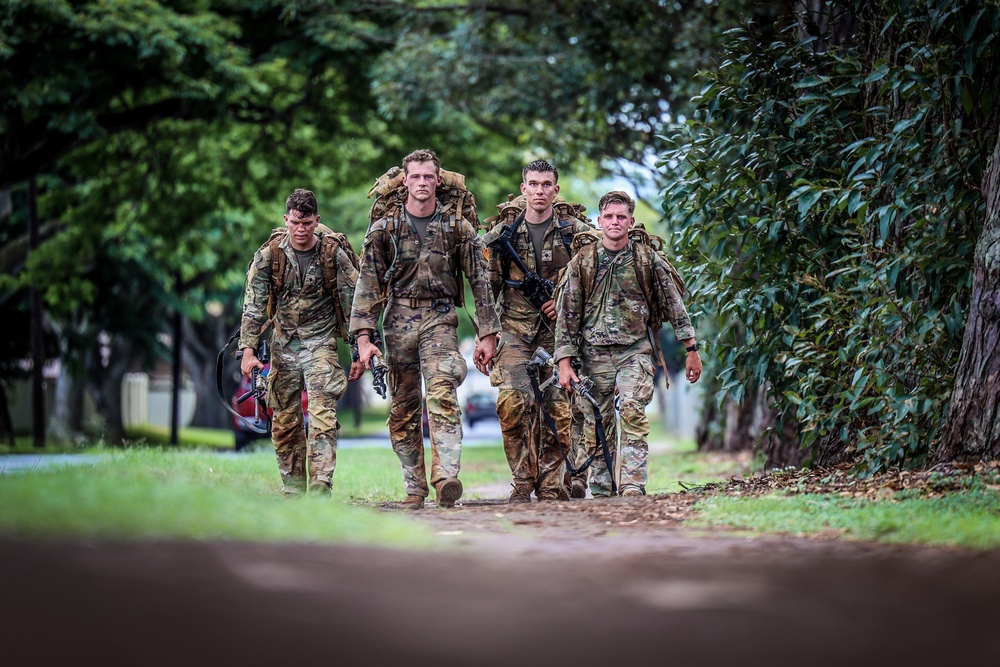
(423, 343)
(630, 369)
(534, 455)
(294, 368)
(578, 448)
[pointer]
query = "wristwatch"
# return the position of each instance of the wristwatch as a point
(693, 348)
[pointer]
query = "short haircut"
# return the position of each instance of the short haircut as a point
(540, 166)
(421, 155)
(617, 197)
(303, 201)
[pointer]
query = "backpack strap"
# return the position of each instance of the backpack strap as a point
(644, 273)
(329, 244)
(565, 227)
(505, 260)
(279, 262)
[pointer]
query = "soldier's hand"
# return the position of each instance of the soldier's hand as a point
(486, 349)
(249, 362)
(357, 370)
(366, 350)
(567, 376)
(693, 366)
(549, 309)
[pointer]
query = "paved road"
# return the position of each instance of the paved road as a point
(19, 462)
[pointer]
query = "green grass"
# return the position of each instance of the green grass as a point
(968, 518)
(23, 444)
(681, 464)
(164, 493)
(372, 424)
(187, 437)
(142, 493)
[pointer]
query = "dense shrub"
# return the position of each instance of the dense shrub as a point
(826, 197)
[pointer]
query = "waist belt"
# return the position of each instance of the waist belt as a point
(440, 304)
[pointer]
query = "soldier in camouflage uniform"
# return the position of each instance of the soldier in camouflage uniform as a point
(412, 272)
(604, 324)
(542, 239)
(303, 344)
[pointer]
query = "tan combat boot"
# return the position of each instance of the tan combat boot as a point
(521, 493)
(578, 488)
(448, 491)
(412, 502)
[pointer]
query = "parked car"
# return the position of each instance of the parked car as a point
(243, 434)
(479, 407)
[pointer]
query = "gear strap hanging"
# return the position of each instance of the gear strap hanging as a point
(598, 428)
(219, 365)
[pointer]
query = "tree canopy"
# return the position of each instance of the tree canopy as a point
(165, 134)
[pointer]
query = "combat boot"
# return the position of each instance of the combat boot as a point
(321, 488)
(412, 502)
(520, 494)
(448, 491)
(633, 492)
(578, 488)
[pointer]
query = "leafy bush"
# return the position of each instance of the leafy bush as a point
(826, 197)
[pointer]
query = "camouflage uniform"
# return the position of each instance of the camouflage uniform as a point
(603, 323)
(534, 455)
(420, 328)
(303, 356)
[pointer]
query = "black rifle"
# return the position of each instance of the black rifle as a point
(258, 383)
(581, 386)
(536, 289)
(376, 364)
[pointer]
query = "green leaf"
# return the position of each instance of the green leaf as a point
(854, 202)
(807, 200)
(880, 73)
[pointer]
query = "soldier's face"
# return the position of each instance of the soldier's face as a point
(615, 220)
(301, 229)
(421, 180)
(540, 190)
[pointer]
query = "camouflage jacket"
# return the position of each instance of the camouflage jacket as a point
(517, 316)
(423, 270)
(611, 310)
(304, 309)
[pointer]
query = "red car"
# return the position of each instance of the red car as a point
(244, 435)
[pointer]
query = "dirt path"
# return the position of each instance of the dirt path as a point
(579, 583)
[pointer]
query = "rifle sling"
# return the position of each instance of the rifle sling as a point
(598, 428)
(503, 243)
(219, 364)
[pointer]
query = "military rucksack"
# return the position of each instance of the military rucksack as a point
(645, 247)
(457, 202)
(566, 214)
(508, 211)
(327, 246)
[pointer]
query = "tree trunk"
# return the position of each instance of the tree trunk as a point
(6, 423)
(745, 424)
(202, 342)
(175, 384)
(37, 327)
(105, 384)
(972, 431)
(352, 401)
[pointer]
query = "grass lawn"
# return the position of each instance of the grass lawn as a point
(143, 493)
(969, 518)
(152, 491)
